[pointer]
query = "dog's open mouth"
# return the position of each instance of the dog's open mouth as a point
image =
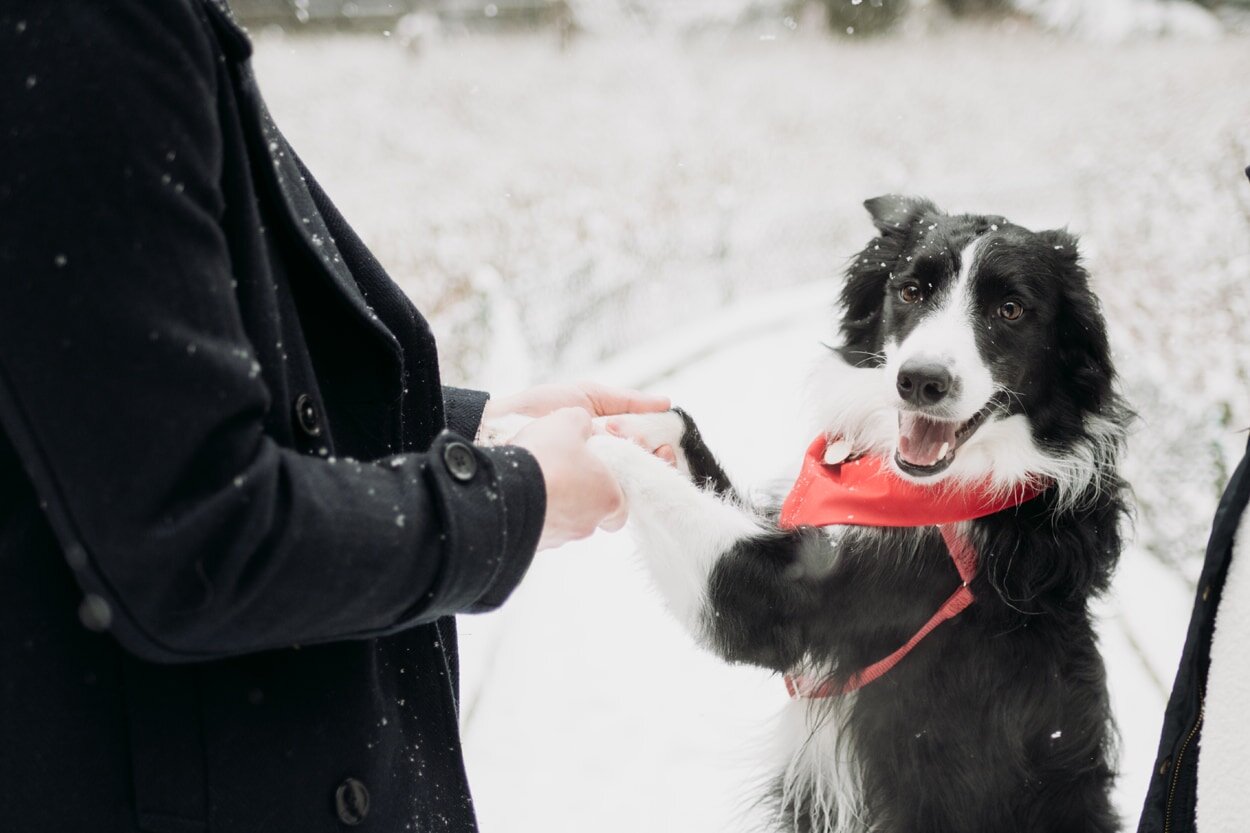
(927, 446)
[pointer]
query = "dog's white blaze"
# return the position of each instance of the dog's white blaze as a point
(681, 529)
(947, 336)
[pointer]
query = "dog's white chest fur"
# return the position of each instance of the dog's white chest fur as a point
(820, 779)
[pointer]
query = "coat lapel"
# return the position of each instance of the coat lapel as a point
(283, 176)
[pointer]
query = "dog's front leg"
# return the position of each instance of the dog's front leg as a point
(681, 529)
(744, 588)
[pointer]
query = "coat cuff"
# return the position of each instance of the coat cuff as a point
(463, 409)
(494, 501)
(524, 500)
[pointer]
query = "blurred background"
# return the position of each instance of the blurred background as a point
(665, 192)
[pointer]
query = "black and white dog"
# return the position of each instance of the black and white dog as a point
(973, 353)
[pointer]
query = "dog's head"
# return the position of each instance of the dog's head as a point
(972, 348)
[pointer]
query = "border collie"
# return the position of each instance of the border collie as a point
(973, 355)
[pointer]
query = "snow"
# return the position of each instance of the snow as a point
(674, 212)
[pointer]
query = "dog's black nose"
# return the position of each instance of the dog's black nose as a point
(923, 383)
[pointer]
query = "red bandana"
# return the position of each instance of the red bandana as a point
(864, 491)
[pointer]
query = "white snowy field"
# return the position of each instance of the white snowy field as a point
(561, 213)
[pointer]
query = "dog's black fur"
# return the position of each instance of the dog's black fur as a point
(998, 721)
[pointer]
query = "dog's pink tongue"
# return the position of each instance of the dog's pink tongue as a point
(923, 441)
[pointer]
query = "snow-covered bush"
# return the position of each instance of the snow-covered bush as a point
(1182, 322)
(682, 16)
(1116, 20)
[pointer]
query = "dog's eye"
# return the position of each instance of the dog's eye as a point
(1011, 310)
(910, 293)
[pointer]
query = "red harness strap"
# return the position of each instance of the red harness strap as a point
(865, 492)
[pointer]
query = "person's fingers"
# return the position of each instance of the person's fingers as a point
(606, 401)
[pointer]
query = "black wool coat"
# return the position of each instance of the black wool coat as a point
(233, 526)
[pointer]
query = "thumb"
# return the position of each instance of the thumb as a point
(608, 401)
(617, 519)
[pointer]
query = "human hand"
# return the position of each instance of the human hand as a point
(582, 495)
(595, 399)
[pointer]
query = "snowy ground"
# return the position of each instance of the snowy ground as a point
(558, 212)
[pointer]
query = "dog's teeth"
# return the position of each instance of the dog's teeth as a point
(942, 451)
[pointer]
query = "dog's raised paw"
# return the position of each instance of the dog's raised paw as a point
(658, 434)
(640, 472)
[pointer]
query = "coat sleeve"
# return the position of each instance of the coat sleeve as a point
(464, 409)
(128, 386)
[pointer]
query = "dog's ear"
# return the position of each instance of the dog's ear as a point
(894, 214)
(1064, 244)
(863, 296)
(1084, 352)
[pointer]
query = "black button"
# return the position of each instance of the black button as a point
(460, 461)
(307, 415)
(351, 800)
